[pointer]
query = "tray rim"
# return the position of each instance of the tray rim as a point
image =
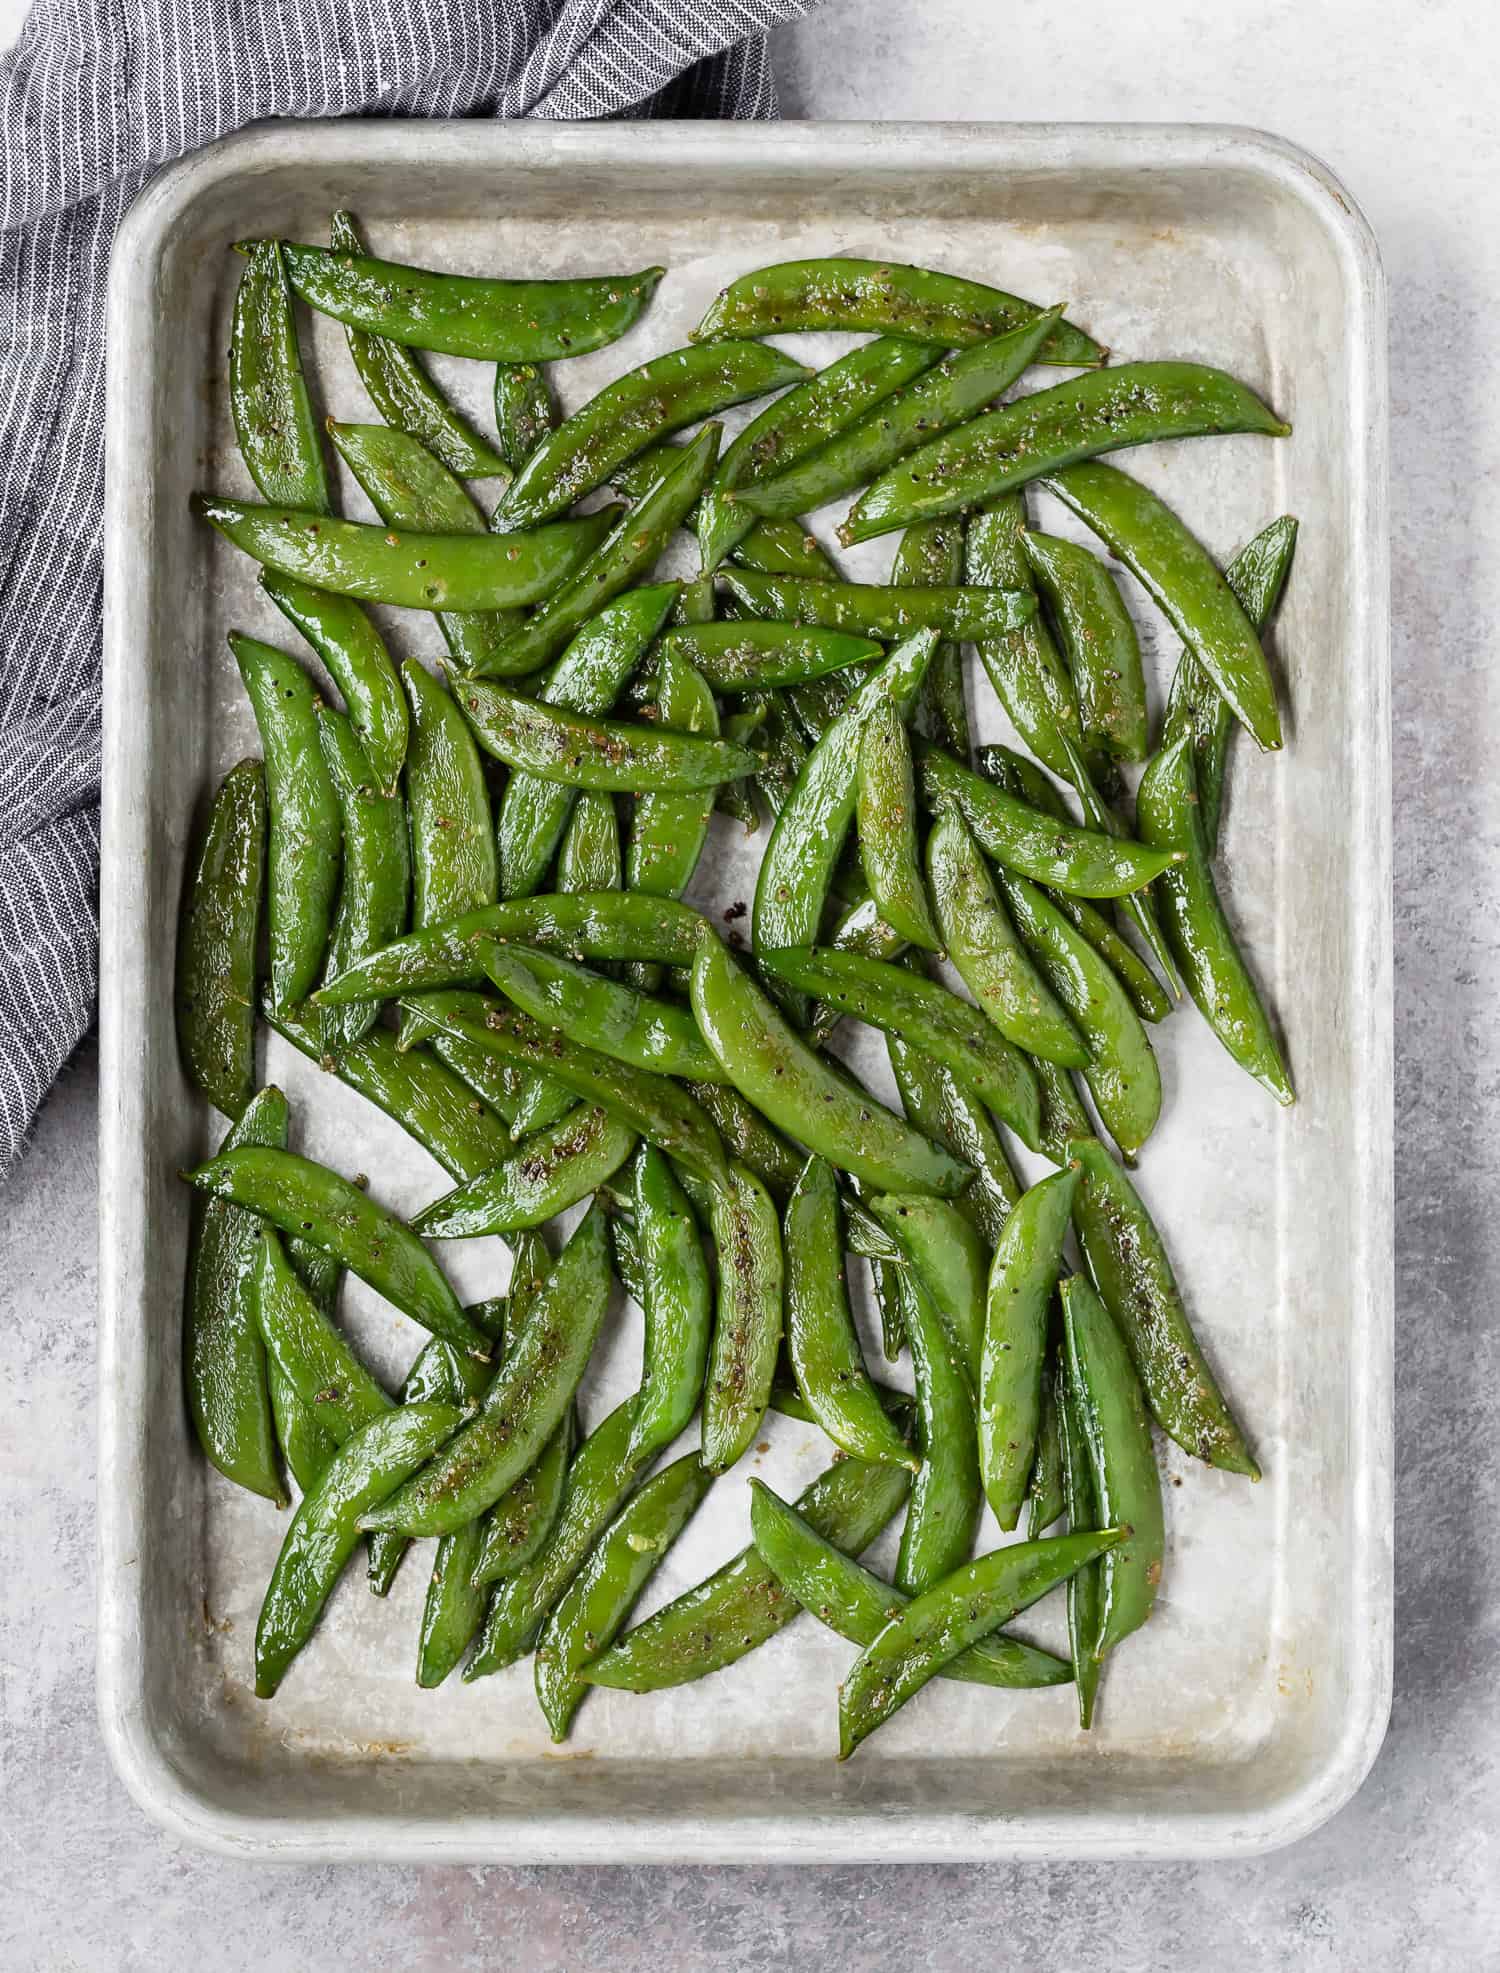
(142, 1762)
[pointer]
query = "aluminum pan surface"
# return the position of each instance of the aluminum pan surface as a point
(1253, 1706)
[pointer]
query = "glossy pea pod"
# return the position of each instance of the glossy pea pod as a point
(1134, 404)
(525, 411)
(743, 1605)
(636, 410)
(1085, 1589)
(306, 1446)
(860, 929)
(404, 394)
(748, 1137)
(224, 1357)
(375, 883)
(1138, 906)
(885, 297)
(821, 1340)
(1063, 1114)
(870, 609)
(931, 556)
(886, 827)
(303, 840)
(667, 832)
(946, 1496)
(676, 1298)
(217, 936)
(949, 1618)
(325, 1529)
(1046, 1496)
(797, 1091)
(638, 1028)
(597, 1603)
(748, 1317)
(945, 1253)
(541, 1176)
(520, 1523)
(1202, 941)
(354, 654)
(1023, 1275)
(1099, 642)
(748, 655)
(1117, 1433)
(783, 548)
(1130, 1268)
(468, 315)
(590, 857)
(858, 1604)
(947, 1111)
(273, 415)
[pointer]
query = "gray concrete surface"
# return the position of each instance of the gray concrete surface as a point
(1400, 101)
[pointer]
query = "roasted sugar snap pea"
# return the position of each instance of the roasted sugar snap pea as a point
(931, 556)
(1046, 1496)
(1023, 1274)
(1024, 665)
(465, 314)
(749, 655)
(1138, 907)
(676, 1298)
(1202, 942)
(224, 1355)
(821, 1341)
(633, 1027)
(590, 857)
(404, 394)
(869, 609)
(887, 297)
(375, 880)
(750, 1138)
(454, 869)
(667, 832)
(521, 1522)
(742, 1605)
(308, 1348)
(304, 837)
(541, 1176)
(784, 548)
(771, 1066)
(946, 1253)
(325, 1528)
(943, 1513)
(595, 1606)
(1063, 1114)
(858, 1604)
(1147, 994)
(1099, 640)
(525, 410)
(886, 826)
(635, 411)
(948, 1618)
(946, 1110)
(302, 1197)
(1134, 404)
(354, 654)
(216, 942)
(273, 417)
(1085, 1589)
(748, 1316)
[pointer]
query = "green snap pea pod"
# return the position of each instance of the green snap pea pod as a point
(1024, 666)
(905, 1003)
(668, 832)
(521, 1522)
(946, 1497)
(783, 548)
(653, 1106)
(590, 858)
(1184, 582)
(216, 943)
(325, 1528)
(1023, 779)
(524, 1404)
(541, 1102)
(594, 1607)
(1063, 1114)
(1023, 839)
(945, 1110)
(635, 477)
(948, 394)
(749, 655)
(858, 1604)
(302, 865)
(453, 843)
(634, 411)
(465, 314)
(601, 1477)
(1099, 640)
(1135, 404)
(353, 652)
(1023, 1276)
(596, 925)
(882, 296)
(1085, 1589)
(305, 1446)
(453, 1608)
(818, 703)
(802, 422)
(750, 1138)
(310, 1351)
(1138, 906)
(885, 819)
(273, 417)
(821, 1340)
(861, 929)
(1256, 576)
(1046, 1493)
(606, 754)
(1202, 942)
(224, 1355)
(783, 756)
(986, 953)
(628, 552)
(696, 603)
(1130, 1269)
(770, 1065)
(409, 488)
(1117, 1433)
(742, 1605)
(1122, 1073)
(376, 880)
(412, 570)
(544, 1174)
(748, 1317)
(525, 411)
(869, 609)
(677, 1301)
(931, 556)
(306, 1198)
(921, 1640)
(1147, 995)
(940, 1243)
(633, 1027)
(402, 391)
(797, 869)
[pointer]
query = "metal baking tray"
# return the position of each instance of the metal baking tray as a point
(1253, 1706)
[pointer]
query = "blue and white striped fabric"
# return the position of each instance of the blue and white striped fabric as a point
(95, 97)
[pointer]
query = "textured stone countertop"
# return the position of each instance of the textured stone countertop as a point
(1400, 101)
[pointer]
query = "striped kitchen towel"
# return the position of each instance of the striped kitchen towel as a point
(96, 96)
